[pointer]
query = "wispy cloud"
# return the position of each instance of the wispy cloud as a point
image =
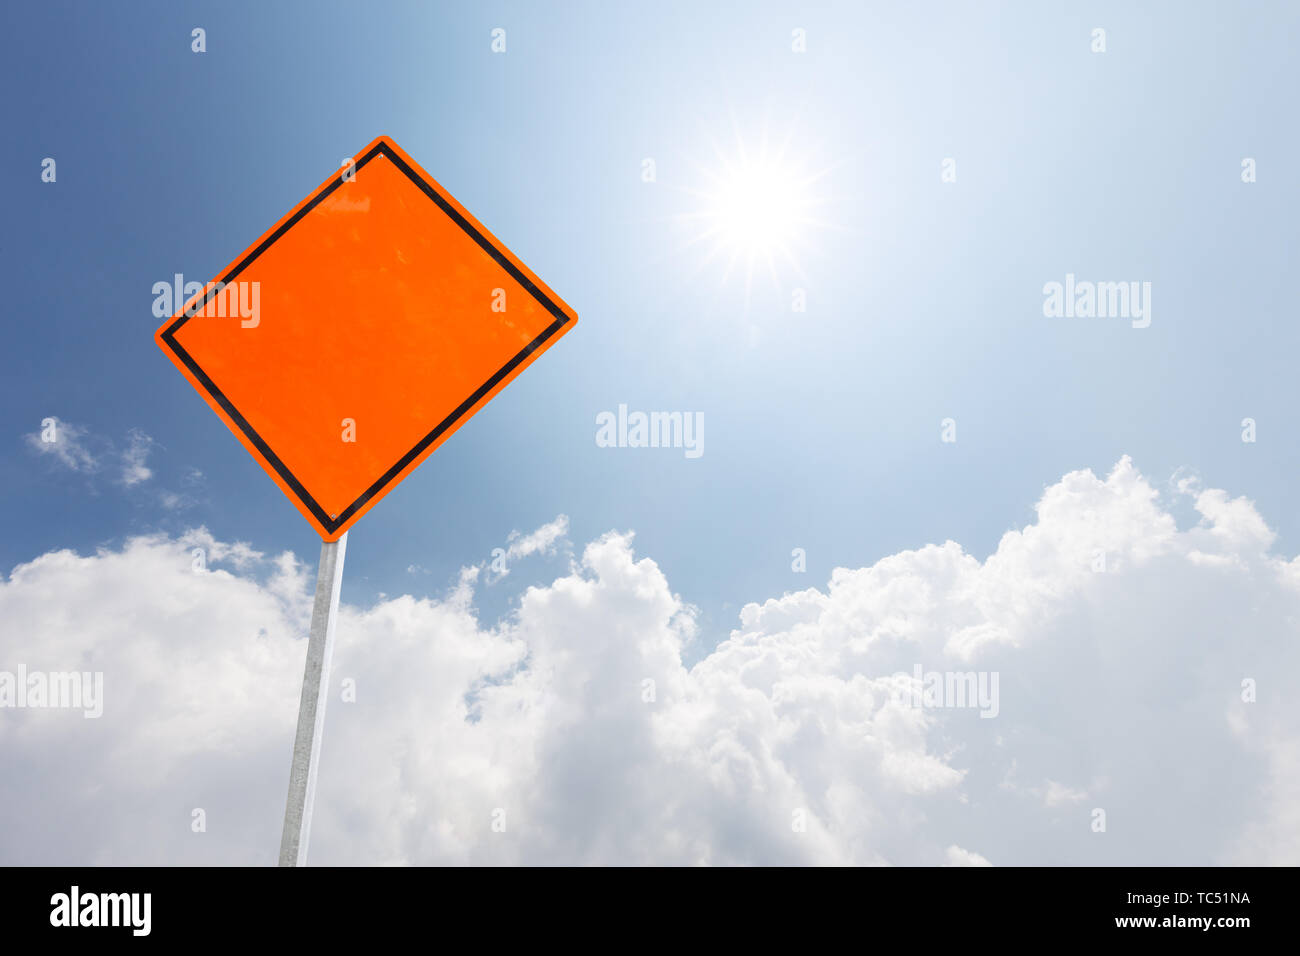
(519, 545)
(76, 449)
(134, 469)
(65, 443)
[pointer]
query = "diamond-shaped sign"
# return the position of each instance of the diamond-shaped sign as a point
(359, 332)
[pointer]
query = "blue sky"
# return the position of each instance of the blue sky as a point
(822, 428)
(1156, 691)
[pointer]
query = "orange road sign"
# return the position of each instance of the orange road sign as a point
(359, 332)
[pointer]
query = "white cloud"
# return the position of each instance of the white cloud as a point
(68, 444)
(136, 453)
(956, 856)
(1058, 794)
(1119, 690)
(75, 448)
(541, 541)
(544, 540)
(240, 554)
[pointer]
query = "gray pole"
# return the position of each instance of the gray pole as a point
(311, 709)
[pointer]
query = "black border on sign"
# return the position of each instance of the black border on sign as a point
(333, 524)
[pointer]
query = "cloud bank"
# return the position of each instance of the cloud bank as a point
(1143, 672)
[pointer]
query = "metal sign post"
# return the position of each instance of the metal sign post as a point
(311, 708)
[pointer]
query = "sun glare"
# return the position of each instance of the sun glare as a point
(756, 211)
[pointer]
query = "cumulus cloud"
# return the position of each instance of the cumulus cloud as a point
(574, 726)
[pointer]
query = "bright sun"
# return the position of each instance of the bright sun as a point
(759, 209)
(756, 211)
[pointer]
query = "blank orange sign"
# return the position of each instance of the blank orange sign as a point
(359, 332)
